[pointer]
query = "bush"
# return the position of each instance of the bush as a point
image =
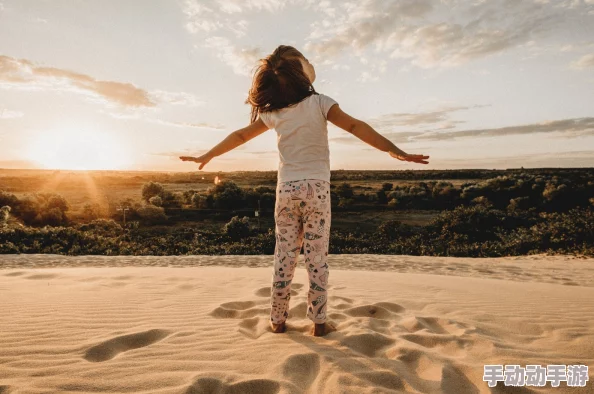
(156, 201)
(345, 202)
(7, 199)
(151, 214)
(91, 212)
(199, 201)
(4, 214)
(237, 228)
(344, 190)
(394, 229)
(152, 189)
(42, 209)
(227, 195)
(105, 227)
(268, 201)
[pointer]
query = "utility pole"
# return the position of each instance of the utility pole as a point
(123, 209)
(258, 214)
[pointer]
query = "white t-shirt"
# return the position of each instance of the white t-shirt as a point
(302, 138)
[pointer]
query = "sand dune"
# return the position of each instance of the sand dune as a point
(200, 324)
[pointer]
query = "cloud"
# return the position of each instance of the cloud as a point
(386, 124)
(202, 125)
(586, 61)
(9, 114)
(394, 137)
(147, 117)
(569, 127)
(429, 33)
(242, 61)
(176, 98)
(389, 121)
(21, 73)
(440, 118)
(209, 16)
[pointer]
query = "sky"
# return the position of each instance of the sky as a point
(133, 85)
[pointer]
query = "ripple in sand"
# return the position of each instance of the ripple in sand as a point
(111, 348)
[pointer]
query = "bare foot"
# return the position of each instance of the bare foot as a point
(278, 328)
(319, 330)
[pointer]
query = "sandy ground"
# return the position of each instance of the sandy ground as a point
(199, 324)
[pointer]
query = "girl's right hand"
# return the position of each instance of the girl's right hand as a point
(408, 157)
(201, 159)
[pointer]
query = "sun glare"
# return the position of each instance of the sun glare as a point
(73, 149)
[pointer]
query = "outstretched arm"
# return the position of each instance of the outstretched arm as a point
(367, 134)
(232, 141)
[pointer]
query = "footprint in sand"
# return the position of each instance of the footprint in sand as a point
(111, 348)
(209, 384)
(379, 310)
(267, 291)
(434, 325)
(255, 314)
(369, 345)
(13, 274)
(421, 363)
(451, 345)
(301, 369)
(240, 310)
(42, 276)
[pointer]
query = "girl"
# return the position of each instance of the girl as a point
(283, 98)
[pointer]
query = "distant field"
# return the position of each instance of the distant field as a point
(108, 188)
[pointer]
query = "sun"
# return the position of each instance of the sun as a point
(77, 149)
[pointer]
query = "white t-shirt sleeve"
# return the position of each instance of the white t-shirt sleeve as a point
(326, 102)
(268, 119)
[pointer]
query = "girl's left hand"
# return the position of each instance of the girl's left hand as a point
(422, 159)
(201, 159)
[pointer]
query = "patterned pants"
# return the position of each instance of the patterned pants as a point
(302, 215)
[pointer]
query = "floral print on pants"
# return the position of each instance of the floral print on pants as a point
(302, 215)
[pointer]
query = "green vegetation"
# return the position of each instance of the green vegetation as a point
(515, 212)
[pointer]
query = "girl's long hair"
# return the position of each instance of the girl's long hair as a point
(279, 81)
